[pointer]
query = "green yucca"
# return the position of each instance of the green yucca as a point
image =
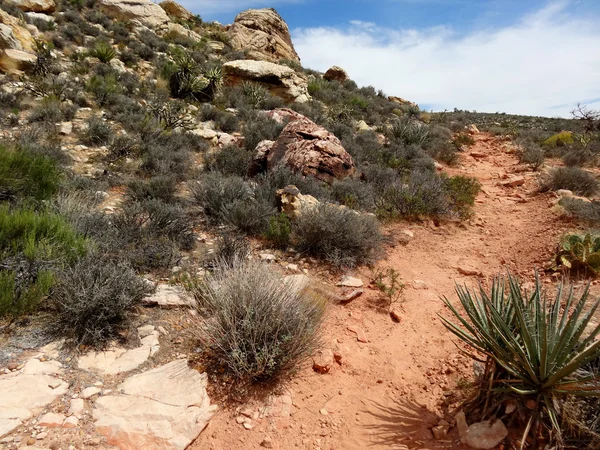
(537, 349)
(104, 52)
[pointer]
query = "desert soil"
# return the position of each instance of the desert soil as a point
(390, 391)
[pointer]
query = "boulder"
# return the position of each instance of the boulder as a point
(174, 9)
(401, 101)
(336, 73)
(12, 60)
(307, 148)
(142, 11)
(263, 34)
(163, 409)
(13, 35)
(292, 203)
(38, 6)
(284, 115)
(282, 81)
(173, 28)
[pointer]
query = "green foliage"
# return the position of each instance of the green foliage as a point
(98, 132)
(389, 284)
(462, 192)
(463, 139)
(103, 51)
(579, 253)
(21, 296)
(562, 139)
(339, 235)
(24, 174)
(537, 349)
(279, 231)
(254, 326)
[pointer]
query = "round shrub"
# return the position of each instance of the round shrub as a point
(256, 326)
(94, 299)
(573, 179)
(341, 236)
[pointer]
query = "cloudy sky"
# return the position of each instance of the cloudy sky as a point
(538, 57)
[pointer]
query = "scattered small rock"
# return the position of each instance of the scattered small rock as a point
(90, 392)
(395, 315)
(513, 182)
(485, 435)
(266, 443)
(440, 432)
(324, 412)
(360, 334)
(348, 281)
(351, 296)
(268, 257)
(323, 360)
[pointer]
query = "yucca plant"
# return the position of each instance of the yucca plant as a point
(103, 51)
(537, 350)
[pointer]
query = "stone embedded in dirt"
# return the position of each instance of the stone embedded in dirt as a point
(564, 193)
(24, 395)
(478, 155)
(348, 281)
(323, 360)
(324, 412)
(351, 296)
(473, 129)
(263, 34)
(396, 315)
(169, 297)
(419, 284)
(461, 424)
(268, 257)
(36, 367)
(468, 271)
(267, 443)
(485, 435)
(90, 392)
(297, 282)
(77, 407)
(117, 360)
(65, 128)
(440, 432)
(336, 73)
(70, 422)
(163, 409)
(513, 182)
(145, 330)
(52, 420)
(360, 334)
(337, 355)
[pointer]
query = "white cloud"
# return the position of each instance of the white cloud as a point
(544, 64)
(211, 7)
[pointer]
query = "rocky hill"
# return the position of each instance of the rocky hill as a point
(188, 218)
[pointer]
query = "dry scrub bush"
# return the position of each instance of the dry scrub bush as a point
(94, 299)
(254, 325)
(572, 178)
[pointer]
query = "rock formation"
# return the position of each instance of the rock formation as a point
(143, 11)
(263, 34)
(282, 81)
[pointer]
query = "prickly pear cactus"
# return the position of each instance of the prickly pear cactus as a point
(578, 252)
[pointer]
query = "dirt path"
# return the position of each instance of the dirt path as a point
(390, 391)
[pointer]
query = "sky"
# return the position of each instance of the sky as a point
(533, 57)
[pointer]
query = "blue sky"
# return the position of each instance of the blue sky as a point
(518, 56)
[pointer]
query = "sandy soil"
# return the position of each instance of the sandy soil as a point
(390, 391)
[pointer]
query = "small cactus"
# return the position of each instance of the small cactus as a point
(579, 252)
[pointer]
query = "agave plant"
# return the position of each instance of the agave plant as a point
(103, 51)
(537, 350)
(579, 252)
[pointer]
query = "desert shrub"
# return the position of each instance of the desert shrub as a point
(339, 235)
(354, 194)
(169, 153)
(94, 299)
(409, 132)
(562, 139)
(25, 174)
(281, 177)
(279, 231)
(573, 179)
(463, 139)
(122, 147)
(255, 326)
(249, 216)
(537, 349)
(231, 160)
(103, 51)
(531, 153)
(588, 212)
(161, 187)
(462, 192)
(98, 132)
(422, 194)
(230, 247)
(259, 128)
(51, 110)
(31, 245)
(104, 88)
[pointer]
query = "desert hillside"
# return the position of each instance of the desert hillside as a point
(206, 245)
